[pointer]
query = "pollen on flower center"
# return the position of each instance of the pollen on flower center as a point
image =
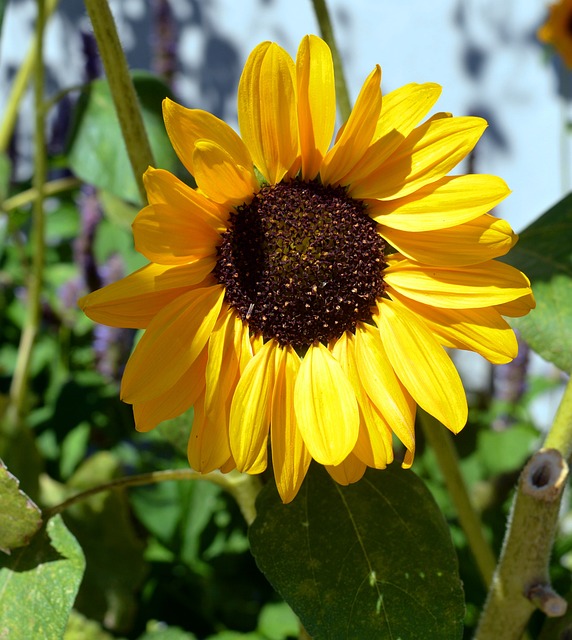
(301, 262)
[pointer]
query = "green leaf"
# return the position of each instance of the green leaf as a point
(21, 518)
(97, 153)
(38, 584)
(104, 528)
(507, 450)
(370, 560)
(544, 254)
(277, 621)
(80, 628)
(160, 631)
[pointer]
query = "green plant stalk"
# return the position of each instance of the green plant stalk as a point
(529, 536)
(443, 447)
(244, 488)
(20, 83)
(342, 94)
(521, 581)
(30, 195)
(560, 435)
(122, 90)
(19, 385)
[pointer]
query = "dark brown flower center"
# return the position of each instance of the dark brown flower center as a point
(302, 262)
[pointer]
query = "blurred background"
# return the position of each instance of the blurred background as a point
(484, 53)
(180, 553)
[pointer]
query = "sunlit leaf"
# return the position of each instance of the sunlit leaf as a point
(544, 253)
(97, 152)
(370, 560)
(160, 631)
(21, 518)
(39, 583)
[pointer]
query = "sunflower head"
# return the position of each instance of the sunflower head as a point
(557, 30)
(302, 296)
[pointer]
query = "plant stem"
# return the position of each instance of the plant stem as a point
(19, 385)
(242, 487)
(122, 90)
(560, 435)
(521, 582)
(342, 94)
(51, 188)
(442, 445)
(21, 82)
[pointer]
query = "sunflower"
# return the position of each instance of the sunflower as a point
(304, 292)
(557, 30)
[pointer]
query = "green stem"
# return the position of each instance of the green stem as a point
(521, 582)
(560, 435)
(51, 188)
(19, 385)
(242, 487)
(20, 83)
(343, 96)
(122, 90)
(442, 445)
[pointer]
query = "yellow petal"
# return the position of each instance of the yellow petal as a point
(445, 203)
(172, 342)
(316, 102)
(186, 126)
(208, 447)
(426, 155)
(357, 132)
(517, 308)
(383, 386)
(176, 400)
(348, 471)
(164, 188)
(290, 457)
(326, 407)
(374, 443)
(165, 236)
(422, 365)
(401, 111)
(133, 301)
(223, 360)
(478, 240)
(250, 411)
(219, 177)
(267, 110)
(480, 330)
(482, 285)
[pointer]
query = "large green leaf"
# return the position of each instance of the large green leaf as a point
(39, 583)
(21, 518)
(97, 152)
(371, 560)
(544, 254)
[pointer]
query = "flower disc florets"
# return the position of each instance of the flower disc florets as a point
(302, 262)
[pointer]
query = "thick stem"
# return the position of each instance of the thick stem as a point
(521, 582)
(19, 385)
(342, 94)
(442, 445)
(122, 90)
